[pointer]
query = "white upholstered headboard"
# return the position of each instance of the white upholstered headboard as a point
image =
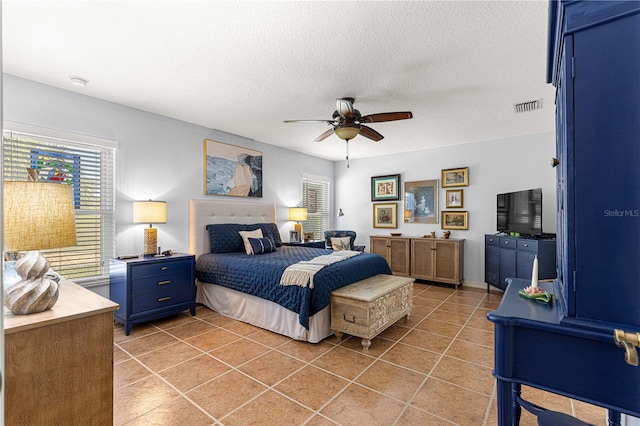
(204, 212)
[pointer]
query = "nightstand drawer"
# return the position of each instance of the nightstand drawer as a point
(159, 300)
(159, 283)
(161, 268)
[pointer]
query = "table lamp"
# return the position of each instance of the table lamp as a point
(408, 214)
(298, 214)
(150, 212)
(37, 216)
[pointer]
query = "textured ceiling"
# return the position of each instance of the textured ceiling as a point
(244, 67)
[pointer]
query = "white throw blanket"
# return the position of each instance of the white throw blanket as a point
(302, 273)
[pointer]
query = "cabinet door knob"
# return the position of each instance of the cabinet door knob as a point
(554, 162)
(526, 245)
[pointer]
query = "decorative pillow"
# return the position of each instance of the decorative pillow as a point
(256, 233)
(224, 237)
(262, 245)
(343, 243)
(271, 231)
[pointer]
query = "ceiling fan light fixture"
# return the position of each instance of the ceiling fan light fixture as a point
(347, 133)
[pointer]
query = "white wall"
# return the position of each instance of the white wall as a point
(157, 158)
(161, 158)
(495, 167)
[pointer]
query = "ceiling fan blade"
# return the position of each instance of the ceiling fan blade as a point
(324, 135)
(309, 121)
(368, 132)
(386, 116)
(344, 106)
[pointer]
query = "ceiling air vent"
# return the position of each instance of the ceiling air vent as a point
(528, 106)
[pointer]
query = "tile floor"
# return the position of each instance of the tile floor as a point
(434, 369)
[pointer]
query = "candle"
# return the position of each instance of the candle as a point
(534, 273)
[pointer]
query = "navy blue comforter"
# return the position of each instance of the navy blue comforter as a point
(259, 275)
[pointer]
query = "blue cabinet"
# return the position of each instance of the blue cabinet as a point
(594, 62)
(511, 257)
(596, 69)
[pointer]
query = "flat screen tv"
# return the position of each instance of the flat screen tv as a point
(521, 212)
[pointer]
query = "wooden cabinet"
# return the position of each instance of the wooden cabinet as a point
(396, 250)
(511, 257)
(147, 288)
(59, 363)
(422, 258)
(437, 260)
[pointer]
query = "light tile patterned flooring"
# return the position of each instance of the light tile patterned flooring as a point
(434, 369)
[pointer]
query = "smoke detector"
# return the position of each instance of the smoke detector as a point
(78, 81)
(527, 106)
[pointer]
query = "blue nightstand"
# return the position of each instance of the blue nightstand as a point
(148, 287)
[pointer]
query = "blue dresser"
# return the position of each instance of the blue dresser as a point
(568, 347)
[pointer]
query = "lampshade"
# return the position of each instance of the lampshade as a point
(408, 214)
(38, 216)
(150, 212)
(347, 132)
(297, 213)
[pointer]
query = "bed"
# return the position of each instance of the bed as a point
(229, 288)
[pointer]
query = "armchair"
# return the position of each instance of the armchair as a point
(341, 234)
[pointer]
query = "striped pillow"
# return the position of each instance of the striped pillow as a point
(262, 245)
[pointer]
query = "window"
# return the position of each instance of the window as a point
(315, 197)
(88, 165)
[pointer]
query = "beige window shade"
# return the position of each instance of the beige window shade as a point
(315, 197)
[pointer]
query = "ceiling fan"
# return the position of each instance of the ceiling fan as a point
(347, 122)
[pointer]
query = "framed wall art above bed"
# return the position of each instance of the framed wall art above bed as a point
(232, 170)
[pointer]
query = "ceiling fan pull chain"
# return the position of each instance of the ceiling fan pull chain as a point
(347, 153)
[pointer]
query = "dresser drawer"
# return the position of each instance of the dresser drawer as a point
(511, 243)
(160, 268)
(159, 283)
(162, 299)
(528, 245)
(491, 240)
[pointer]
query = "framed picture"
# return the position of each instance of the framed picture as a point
(232, 170)
(454, 198)
(308, 236)
(455, 220)
(385, 188)
(421, 201)
(294, 237)
(385, 215)
(455, 177)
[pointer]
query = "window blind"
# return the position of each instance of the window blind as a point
(315, 197)
(87, 166)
